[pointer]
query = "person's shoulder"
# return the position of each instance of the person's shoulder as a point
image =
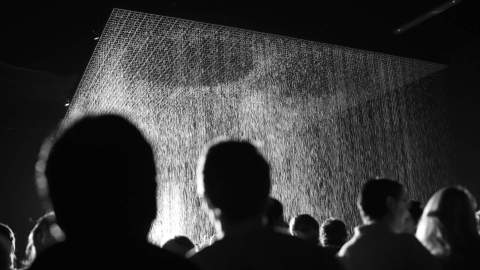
(312, 255)
(213, 250)
(281, 237)
(264, 247)
(154, 256)
(352, 243)
(276, 240)
(408, 240)
(416, 254)
(215, 256)
(66, 256)
(411, 245)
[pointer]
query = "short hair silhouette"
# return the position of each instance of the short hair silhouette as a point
(234, 178)
(372, 200)
(274, 213)
(179, 245)
(7, 247)
(333, 232)
(448, 222)
(101, 165)
(306, 227)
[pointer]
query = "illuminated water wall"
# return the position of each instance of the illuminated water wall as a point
(326, 116)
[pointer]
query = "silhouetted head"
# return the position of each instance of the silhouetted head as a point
(234, 179)
(274, 214)
(305, 227)
(333, 232)
(381, 199)
(7, 247)
(179, 245)
(448, 222)
(44, 234)
(100, 167)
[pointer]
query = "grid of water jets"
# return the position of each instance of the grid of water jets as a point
(326, 116)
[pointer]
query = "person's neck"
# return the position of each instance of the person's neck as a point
(226, 228)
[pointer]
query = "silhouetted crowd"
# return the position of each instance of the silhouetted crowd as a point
(99, 177)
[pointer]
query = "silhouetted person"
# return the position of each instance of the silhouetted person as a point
(44, 234)
(305, 227)
(380, 243)
(179, 245)
(415, 212)
(333, 234)
(274, 215)
(99, 175)
(233, 182)
(448, 230)
(7, 247)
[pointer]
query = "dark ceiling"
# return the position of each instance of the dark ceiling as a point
(60, 38)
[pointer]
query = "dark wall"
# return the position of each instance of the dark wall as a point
(464, 107)
(31, 104)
